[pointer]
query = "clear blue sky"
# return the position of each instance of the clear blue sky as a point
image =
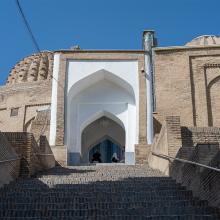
(101, 24)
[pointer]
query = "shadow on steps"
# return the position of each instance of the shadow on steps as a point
(96, 192)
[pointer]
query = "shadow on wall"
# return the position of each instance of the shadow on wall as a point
(33, 157)
(10, 163)
(21, 154)
(204, 183)
(157, 126)
(45, 154)
(200, 145)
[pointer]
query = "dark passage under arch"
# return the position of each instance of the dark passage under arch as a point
(104, 135)
(107, 149)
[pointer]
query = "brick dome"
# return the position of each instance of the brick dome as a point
(36, 67)
(205, 40)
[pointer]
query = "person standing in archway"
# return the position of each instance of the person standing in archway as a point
(96, 157)
(115, 158)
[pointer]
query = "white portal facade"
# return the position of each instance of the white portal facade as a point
(91, 85)
(95, 89)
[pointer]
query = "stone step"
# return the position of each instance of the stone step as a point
(94, 189)
(123, 217)
(93, 204)
(98, 194)
(106, 212)
(101, 192)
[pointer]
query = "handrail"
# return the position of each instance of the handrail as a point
(13, 159)
(185, 161)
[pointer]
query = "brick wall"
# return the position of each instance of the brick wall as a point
(9, 170)
(195, 144)
(203, 182)
(46, 155)
(41, 124)
(33, 156)
(168, 142)
(200, 145)
(28, 97)
(187, 82)
(22, 143)
(160, 146)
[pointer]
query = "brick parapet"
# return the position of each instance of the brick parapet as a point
(33, 157)
(197, 144)
(9, 170)
(168, 142)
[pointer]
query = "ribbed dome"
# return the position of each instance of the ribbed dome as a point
(204, 40)
(36, 67)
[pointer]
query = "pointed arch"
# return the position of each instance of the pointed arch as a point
(97, 132)
(101, 93)
(209, 100)
(112, 139)
(98, 115)
(97, 76)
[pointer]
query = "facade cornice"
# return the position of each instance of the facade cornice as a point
(99, 51)
(178, 48)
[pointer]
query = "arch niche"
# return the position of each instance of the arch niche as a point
(101, 130)
(100, 95)
(213, 99)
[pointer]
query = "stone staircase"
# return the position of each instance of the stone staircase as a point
(101, 192)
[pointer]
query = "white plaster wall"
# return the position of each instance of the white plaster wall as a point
(103, 96)
(116, 93)
(127, 70)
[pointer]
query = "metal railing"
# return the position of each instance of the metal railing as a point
(185, 161)
(9, 160)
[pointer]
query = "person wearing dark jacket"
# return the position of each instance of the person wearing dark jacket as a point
(96, 157)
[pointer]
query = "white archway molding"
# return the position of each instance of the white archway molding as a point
(126, 70)
(98, 76)
(121, 119)
(100, 94)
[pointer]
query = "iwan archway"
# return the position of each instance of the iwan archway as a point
(105, 136)
(106, 98)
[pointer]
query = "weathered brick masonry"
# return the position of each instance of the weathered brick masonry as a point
(187, 84)
(9, 170)
(197, 144)
(27, 150)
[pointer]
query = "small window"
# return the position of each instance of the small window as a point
(14, 112)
